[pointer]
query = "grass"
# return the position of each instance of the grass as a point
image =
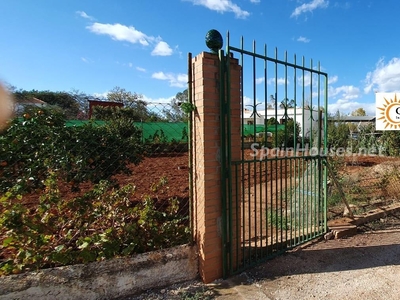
(277, 220)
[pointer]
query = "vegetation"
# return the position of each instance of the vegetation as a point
(65, 101)
(177, 112)
(288, 137)
(277, 220)
(38, 154)
(40, 143)
(338, 132)
(390, 141)
(101, 224)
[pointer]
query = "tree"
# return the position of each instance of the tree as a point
(286, 103)
(83, 101)
(133, 102)
(129, 99)
(367, 139)
(338, 132)
(61, 99)
(363, 136)
(390, 141)
(174, 113)
(9, 87)
(359, 112)
(289, 136)
(272, 102)
(272, 121)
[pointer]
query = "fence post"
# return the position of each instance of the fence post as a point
(207, 208)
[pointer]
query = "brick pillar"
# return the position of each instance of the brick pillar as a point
(206, 161)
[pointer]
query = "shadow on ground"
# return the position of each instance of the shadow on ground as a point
(352, 264)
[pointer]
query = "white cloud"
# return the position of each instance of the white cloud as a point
(162, 49)
(175, 80)
(281, 81)
(141, 69)
(346, 92)
(247, 100)
(104, 95)
(120, 32)
(130, 65)
(385, 77)
(130, 34)
(303, 39)
(222, 6)
(309, 7)
(307, 79)
(346, 107)
(333, 79)
(157, 100)
(345, 97)
(101, 95)
(255, 1)
(84, 60)
(85, 15)
(260, 80)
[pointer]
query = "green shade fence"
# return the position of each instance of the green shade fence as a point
(178, 132)
(249, 129)
(159, 131)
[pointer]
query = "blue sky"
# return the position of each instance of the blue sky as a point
(142, 45)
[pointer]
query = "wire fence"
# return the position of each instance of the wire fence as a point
(367, 182)
(92, 189)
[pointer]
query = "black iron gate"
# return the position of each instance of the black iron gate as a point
(273, 187)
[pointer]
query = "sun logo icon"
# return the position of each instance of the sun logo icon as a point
(388, 112)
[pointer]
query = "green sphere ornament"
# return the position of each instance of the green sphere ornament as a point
(214, 40)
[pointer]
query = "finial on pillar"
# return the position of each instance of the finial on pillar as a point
(214, 40)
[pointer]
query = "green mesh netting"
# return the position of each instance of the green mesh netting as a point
(249, 129)
(151, 131)
(178, 132)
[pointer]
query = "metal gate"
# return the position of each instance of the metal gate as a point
(272, 193)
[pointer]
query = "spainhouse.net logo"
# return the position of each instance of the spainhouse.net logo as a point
(387, 111)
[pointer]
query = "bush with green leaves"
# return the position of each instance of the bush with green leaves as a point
(390, 142)
(138, 113)
(97, 152)
(101, 224)
(338, 134)
(40, 143)
(29, 147)
(289, 136)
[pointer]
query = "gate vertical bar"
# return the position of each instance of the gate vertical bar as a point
(224, 170)
(190, 146)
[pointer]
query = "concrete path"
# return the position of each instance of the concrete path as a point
(365, 266)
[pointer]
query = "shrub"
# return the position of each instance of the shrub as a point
(98, 152)
(29, 148)
(100, 224)
(289, 136)
(40, 143)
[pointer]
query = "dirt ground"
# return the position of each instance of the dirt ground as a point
(160, 177)
(172, 170)
(365, 266)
